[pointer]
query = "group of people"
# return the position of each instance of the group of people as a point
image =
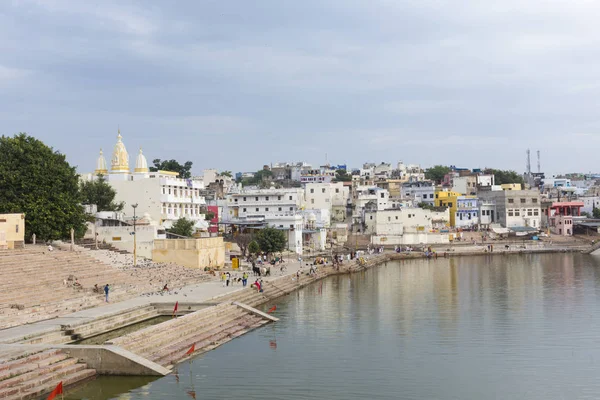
(229, 279)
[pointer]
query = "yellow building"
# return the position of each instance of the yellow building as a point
(193, 253)
(12, 231)
(511, 186)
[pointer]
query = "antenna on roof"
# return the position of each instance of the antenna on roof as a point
(528, 168)
(538, 155)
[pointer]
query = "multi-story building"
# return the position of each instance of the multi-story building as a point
(466, 185)
(368, 198)
(405, 226)
(515, 208)
(467, 212)
(331, 196)
(279, 208)
(420, 192)
(161, 195)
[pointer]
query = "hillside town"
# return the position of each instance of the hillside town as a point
(332, 206)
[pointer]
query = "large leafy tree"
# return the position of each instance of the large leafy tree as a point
(173, 166)
(437, 173)
(183, 227)
(341, 175)
(101, 194)
(243, 240)
(38, 181)
(501, 177)
(271, 240)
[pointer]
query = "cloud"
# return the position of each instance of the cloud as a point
(466, 83)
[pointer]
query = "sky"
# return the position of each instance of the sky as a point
(234, 85)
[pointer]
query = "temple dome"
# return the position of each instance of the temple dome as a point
(101, 168)
(120, 158)
(141, 165)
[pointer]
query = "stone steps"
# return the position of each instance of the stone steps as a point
(191, 336)
(31, 376)
(110, 323)
(211, 340)
(191, 326)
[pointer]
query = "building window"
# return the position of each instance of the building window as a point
(290, 197)
(312, 190)
(169, 190)
(517, 213)
(424, 196)
(337, 190)
(510, 213)
(243, 209)
(389, 219)
(370, 217)
(408, 215)
(244, 199)
(529, 213)
(323, 190)
(431, 196)
(291, 208)
(278, 197)
(236, 200)
(256, 208)
(256, 198)
(450, 205)
(511, 200)
(522, 201)
(382, 195)
(396, 217)
(266, 208)
(536, 213)
(279, 209)
(267, 198)
(534, 200)
(312, 201)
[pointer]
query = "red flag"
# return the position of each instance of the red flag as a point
(191, 350)
(57, 390)
(192, 394)
(175, 308)
(272, 309)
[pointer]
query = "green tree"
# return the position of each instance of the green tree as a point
(173, 166)
(271, 240)
(38, 181)
(226, 173)
(183, 227)
(341, 175)
(596, 212)
(209, 215)
(502, 177)
(437, 173)
(253, 247)
(101, 194)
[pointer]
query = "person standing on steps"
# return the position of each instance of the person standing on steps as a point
(106, 289)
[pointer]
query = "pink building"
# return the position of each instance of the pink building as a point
(560, 216)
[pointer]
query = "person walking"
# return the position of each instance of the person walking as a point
(106, 290)
(244, 279)
(227, 278)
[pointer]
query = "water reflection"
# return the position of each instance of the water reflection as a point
(521, 326)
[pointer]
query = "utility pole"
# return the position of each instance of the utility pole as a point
(134, 235)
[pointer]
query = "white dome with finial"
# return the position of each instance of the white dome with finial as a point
(101, 168)
(120, 158)
(141, 165)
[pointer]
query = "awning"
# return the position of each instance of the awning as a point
(500, 230)
(524, 229)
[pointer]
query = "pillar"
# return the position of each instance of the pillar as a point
(72, 238)
(33, 239)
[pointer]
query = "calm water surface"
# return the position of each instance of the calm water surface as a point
(507, 327)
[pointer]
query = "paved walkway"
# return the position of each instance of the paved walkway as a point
(199, 293)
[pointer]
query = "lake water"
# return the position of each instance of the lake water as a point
(502, 327)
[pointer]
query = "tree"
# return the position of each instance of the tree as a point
(253, 247)
(209, 215)
(243, 240)
(38, 181)
(101, 194)
(183, 227)
(271, 240)
(341, 175)
(437, 173)
(596, 212)
(503, 177)
(226, 173)
(173, 166)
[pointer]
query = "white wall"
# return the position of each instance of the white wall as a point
(398, 222)
(121, 237)
(411, 239)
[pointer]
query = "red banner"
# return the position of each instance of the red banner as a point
(272, 309)
(57, 390)
(191, 350)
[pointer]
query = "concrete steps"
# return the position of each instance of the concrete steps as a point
(34, 375)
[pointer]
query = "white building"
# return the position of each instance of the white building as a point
(405, 226)
(485, 180)
(368, 198)
(514, 208)
(420, 192)
(279, 208)
(161, 195)
(331, 196)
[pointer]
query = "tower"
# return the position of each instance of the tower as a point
(538, 157)
(141, 165)
(528, 162)
(101, 168)
(120, 157)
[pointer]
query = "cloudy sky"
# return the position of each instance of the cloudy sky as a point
(238, 84)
